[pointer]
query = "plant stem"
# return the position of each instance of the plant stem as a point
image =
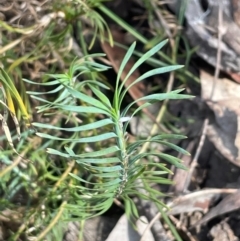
(52, 223)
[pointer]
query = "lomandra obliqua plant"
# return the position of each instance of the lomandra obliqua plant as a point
(106, 165)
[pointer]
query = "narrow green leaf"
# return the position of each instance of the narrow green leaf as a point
(107, 169)
(107, 175)
(41, 99)
(137, 157)
(168, 136)
(90, 126)
(146, 56)
(83, 109)
(88, 99)
(54, 82)
(155, 173)
(122, 66)
(148, 74)
(132, 147)
(133, 207)
(97, 138)
(102, 152)
(101, 96)
(175, 147)
(46, 93)
(98, 160)
(172, 160)
(135, 173)
(56, 152)
(173, 95)
(127, 206)
(96, 66)
(93, 82)
(124, 112)
(160, 166)
(165, 96)
(105, 187)
(157, 180)
(125, 61)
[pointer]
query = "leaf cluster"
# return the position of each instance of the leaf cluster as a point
(112, 166)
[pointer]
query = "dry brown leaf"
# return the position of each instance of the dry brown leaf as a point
(225, 103)
(123, 231)
(197, 201)
(228, 204)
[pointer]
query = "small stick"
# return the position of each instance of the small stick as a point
(219, 52)
(196, 156)
(157, 216)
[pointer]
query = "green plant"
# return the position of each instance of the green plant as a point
(113, 166)
(90, 161)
